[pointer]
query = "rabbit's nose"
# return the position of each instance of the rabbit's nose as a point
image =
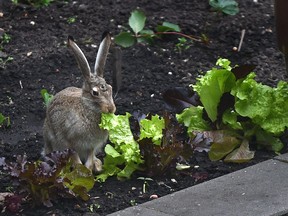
(112, 109)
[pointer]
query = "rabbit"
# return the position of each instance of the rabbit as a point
(73, 115)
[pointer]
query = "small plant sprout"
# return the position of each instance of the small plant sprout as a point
(46, 96)
(71, 20)
(229, 7)
(94, 206)
(133, 202)
(139, 34)
(145, 183)
(4, 120)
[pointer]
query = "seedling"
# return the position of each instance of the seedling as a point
(4, 120)
(5, 39)
(46, 96)
(4, 61)
(145, 183)
(133, 202)
(140, 35)
(71, 20)
(229, 7)
(94, 206)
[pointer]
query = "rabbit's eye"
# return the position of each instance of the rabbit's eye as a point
(95, 92)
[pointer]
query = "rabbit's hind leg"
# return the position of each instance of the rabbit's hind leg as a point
(76, 159)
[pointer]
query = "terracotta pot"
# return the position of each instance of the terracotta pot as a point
(281, 15)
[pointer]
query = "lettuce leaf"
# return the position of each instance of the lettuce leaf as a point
(264, 105)
(124, 150)
(213, 85)
(192, 118)
(152, 129)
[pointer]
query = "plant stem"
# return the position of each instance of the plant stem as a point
(180, 34)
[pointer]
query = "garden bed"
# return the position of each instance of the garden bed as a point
(42, 60)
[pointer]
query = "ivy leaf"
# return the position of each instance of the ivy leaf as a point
(137, 21)
(125, 39)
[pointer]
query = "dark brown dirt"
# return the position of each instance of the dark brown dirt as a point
(42, 60)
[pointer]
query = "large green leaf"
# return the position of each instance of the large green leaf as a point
(213, 85)
(137, 21)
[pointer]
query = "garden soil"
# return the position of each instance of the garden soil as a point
(41, 60)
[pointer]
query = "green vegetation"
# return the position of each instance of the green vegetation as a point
(138, 33)
(4, 120)
(47, 180)
(239, 110)
(46, 96)
(229, 7)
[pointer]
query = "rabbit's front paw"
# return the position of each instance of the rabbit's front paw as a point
(94, 164)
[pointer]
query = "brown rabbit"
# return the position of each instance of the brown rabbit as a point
(73, 115)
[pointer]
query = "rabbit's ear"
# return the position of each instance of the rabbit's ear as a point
(80, 58)
(102, 54)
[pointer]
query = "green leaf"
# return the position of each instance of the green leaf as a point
(222, 144)
(229, 7)
(267, 140)
(266, 106)
(4, 119)
(192, 118)
(213, 85)
(137, 21)
(152, 129)
(123, 151)
(46, 96)
(125, 39)
(80, 181)
(241, 154)
(230, 118)
(167, 26)
(146, 37)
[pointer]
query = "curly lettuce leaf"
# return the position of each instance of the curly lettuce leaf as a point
(192, 118)
(152, 129)
(213, 85)
(124, 152)
(264, 105)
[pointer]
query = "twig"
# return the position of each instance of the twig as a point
(241, 39)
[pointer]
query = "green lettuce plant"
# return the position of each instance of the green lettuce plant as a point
(152, 147)
(238, 109)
